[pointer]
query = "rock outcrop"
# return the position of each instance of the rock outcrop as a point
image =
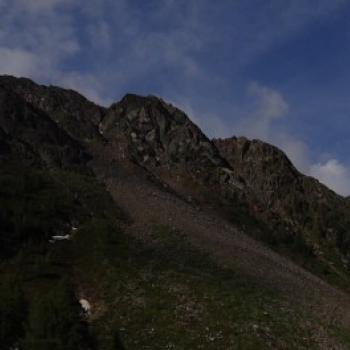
(67, 108)
(313, 210)
(28, 135)
(163, 140)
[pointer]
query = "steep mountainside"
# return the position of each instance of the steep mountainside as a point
(163, 140)
(70, 110)
(311, 208)
(162, 234)
(32, 136)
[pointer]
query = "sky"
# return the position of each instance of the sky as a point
(269, 69)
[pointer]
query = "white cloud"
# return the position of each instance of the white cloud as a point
(333, 174)
(265, 107)
(296, 150)
(86, 84)
(166, 45)
(37, 38)
(44, 32)
(270, 104)
(42, 37)
(18, 62)
(132, 43)
(210, 123)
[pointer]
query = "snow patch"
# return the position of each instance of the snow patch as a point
(60, 238)
(85, 305)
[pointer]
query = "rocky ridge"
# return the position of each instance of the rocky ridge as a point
(241, 179)
(310, 207)
(29, 135)
(67, 108)
(191, 204)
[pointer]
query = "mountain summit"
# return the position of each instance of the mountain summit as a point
(127, 228)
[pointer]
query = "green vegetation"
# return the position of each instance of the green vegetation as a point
(164, 294)
(38, 304)
(56, 322)
(13, 312)
(168, 295)
(41, 314)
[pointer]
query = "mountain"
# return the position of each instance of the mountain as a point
(169, 240)
(30, 133)
(311, 209)
(68, 109)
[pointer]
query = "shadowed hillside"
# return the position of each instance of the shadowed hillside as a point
(173, 240)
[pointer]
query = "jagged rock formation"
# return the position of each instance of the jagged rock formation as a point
(67, 108)
(29, 135)
(265, 169)
(310, 207)
(163, 140)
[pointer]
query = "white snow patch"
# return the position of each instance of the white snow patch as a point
(60, 238)
(85, 305)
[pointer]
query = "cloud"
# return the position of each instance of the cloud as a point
(269, 103)
(86, 84)
(262, 109)
(190, 52)
(333, 174)
(114, 41)
(127, 43)
(37, 40)
(38, 34)
(265, 106)
(210, 123)
(18, 62)
(296, 150)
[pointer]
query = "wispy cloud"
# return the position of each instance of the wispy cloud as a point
(333, 174)
(124, 42)
(41, 31)
(268, 106)
(18, 62)
(190, 52)
(265, 105)
(262, 116)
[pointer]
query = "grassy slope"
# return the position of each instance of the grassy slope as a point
(159, 295)
(36, 204)
(170, 296)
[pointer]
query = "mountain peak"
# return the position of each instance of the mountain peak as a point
(132, 98)
(133, 101)
(76, 115)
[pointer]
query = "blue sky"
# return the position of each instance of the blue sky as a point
(268, 69)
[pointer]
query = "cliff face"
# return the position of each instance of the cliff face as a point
(310, 207)
(264, 168)
(147, 202)
(68, 109)
(161, 139)
(29, 135)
